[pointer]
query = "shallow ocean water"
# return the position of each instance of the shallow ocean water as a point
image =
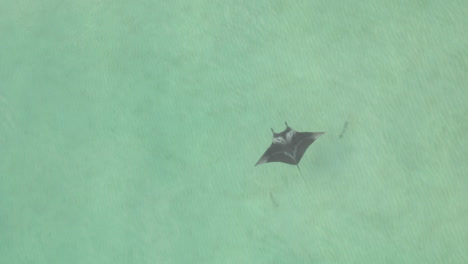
(129, 131)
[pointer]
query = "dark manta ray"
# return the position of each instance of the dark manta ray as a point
(288, 146)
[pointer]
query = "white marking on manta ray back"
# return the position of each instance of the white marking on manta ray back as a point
(289, 135)
(284, 140)
(279, 140)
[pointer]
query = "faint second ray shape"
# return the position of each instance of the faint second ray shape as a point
(288, 146)
(273, 200)
(344, 129)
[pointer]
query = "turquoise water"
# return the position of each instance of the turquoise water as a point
(129, 131)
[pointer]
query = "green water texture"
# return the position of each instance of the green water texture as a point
(129, 131)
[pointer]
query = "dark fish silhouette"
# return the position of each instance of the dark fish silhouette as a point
(288, 146)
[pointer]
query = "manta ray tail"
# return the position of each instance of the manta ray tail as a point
(303, 179)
